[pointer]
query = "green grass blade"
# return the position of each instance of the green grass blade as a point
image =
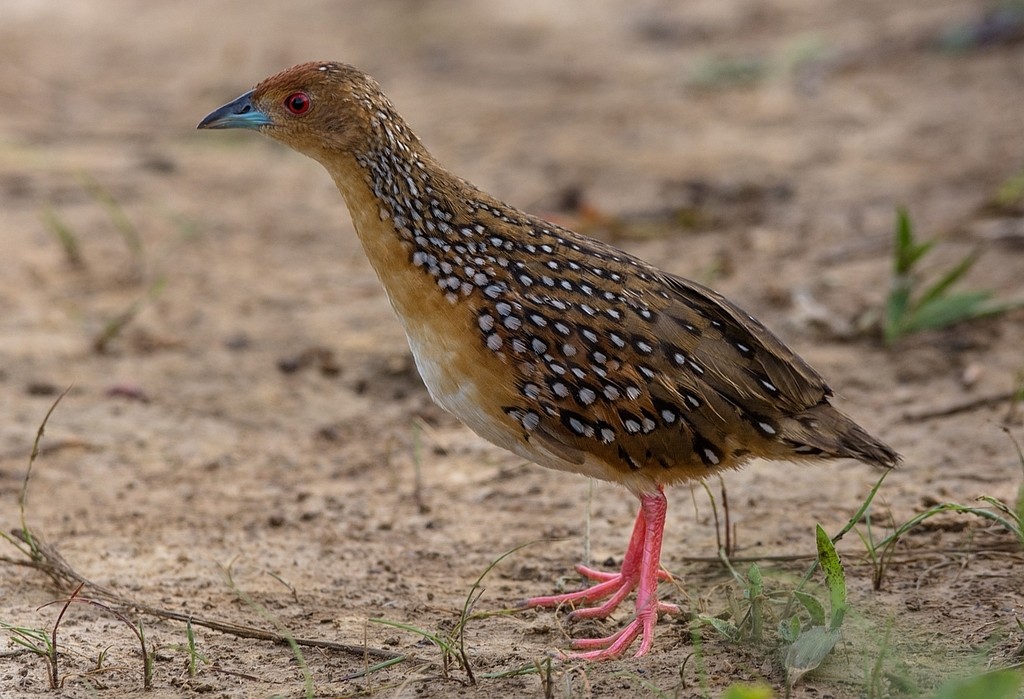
(904, 243)
(1020, 513)
(441, 643)
(945, 507)
(947, 310)
(835, 578)
(850, 524)
(908, 250)
(35, 640)
(949, 278)
(916, 252)
(813, 606)
(755, 594)
(896, 304)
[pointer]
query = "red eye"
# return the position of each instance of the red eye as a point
(297, 103)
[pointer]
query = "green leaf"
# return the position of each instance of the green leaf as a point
(904, 242)
(918, 251)
(908, 250)
(813, 606)
(835, 578)
(726, 628)
(748, 691)
(808, 651)
(896, 308)
(911, 307)
(755, 582)
(951, 277)
(1001, 684)
(947, 310)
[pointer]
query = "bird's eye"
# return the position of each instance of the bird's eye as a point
(297, 103)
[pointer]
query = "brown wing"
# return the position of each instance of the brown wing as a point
(638, 368)
(742, 357)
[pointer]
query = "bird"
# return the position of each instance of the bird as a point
(558, 347)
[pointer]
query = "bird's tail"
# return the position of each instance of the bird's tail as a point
(823, 431)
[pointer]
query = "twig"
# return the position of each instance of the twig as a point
(53, 564)
(956, 408)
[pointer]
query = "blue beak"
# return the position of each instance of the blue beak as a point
(239, 114)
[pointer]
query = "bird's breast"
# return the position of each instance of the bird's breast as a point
(462, 374)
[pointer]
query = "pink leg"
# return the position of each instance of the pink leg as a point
(640, 570)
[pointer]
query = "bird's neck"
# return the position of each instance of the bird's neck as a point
(387, 181)
(372, 208)
(403, 206)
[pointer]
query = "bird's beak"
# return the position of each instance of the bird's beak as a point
(239, 114)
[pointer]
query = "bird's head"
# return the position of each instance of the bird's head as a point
(319, 109)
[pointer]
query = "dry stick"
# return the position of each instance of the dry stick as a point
(53, 564)
(236, 673)
(967, 406)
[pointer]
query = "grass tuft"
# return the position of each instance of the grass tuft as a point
(879, 552)
(913, 305)
(36, 642)
(453, 643)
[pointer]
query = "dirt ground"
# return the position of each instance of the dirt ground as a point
(257, 412)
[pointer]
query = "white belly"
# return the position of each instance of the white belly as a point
(435, 362)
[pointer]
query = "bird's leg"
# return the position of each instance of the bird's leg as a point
(640, 570)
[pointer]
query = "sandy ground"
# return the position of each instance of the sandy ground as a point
(258, 412)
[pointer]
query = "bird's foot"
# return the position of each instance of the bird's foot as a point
(611, 647)
(613, 586)
(640, 571)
